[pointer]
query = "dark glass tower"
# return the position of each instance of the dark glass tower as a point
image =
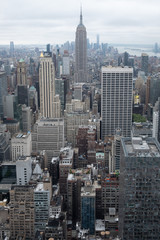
(81, 53)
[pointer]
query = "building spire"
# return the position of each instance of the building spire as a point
(81, 18)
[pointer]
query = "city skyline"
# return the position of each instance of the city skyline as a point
(115, 21)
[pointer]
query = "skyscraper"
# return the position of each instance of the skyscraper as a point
(139, 205)
(21, 73)
(12, 49)
(144, 63)
(81, 53)
(47, 85)
(116, 101)
(3, 92)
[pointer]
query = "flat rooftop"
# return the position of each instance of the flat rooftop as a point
(141, 147)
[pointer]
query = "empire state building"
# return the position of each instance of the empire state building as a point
(81, 53)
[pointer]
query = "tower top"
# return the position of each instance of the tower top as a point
(81, 18)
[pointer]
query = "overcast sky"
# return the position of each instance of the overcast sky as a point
(55, 21)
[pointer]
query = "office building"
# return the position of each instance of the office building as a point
(11, 49)
(76, 179)
(144, 63)
(81, 53)
(139, 205)
(48, 135)
(78, 91)
(9, 101)
(66, 63)
(154, 88)
(41, 206)
(22, 212)
(47, 85)
(4, 143)
(26, 119)
(21, 73)
(23, 170)
(60, 90)
(33, 98)
(22, 92)
(88, 198)
(21, 145)
(8, 172)
(155, 124)
(65, 164)
(3, 92)
(116, 103)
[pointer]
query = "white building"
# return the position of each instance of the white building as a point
(23, 170)
(116, 102)
(21, 145)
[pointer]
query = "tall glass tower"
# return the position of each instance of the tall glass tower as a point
(81, 53)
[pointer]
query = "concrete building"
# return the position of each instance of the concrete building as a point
(12, 126)
(76, 179)
(3, 92)
(9, 106)
(48, 135)
(26, 119)
(4, 144)
(78, 91)
(33, 98)
(144, 63)
(110, 194)
(57, 106)
(54, 170)
(81, 53)
(65, 164)
(116, 104)
(47, 85)
(21, 73)
(66, 63)
(60, 90)
(21, 145)
(11, 50)
(23, 170)
(22, 212)
(139, 206)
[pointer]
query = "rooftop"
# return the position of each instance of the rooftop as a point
(141, 147)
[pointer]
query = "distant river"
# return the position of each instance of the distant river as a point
(134, 50)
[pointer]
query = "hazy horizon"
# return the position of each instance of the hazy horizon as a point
(123, 21)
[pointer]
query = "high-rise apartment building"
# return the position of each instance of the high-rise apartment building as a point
(139, 205)
(81, 53)
(116, 104)
(47, 85)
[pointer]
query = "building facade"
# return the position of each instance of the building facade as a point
(81, 53)
(139, 205)
(47, 85)
(116, 103)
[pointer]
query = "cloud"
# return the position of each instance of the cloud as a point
(37, 21)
